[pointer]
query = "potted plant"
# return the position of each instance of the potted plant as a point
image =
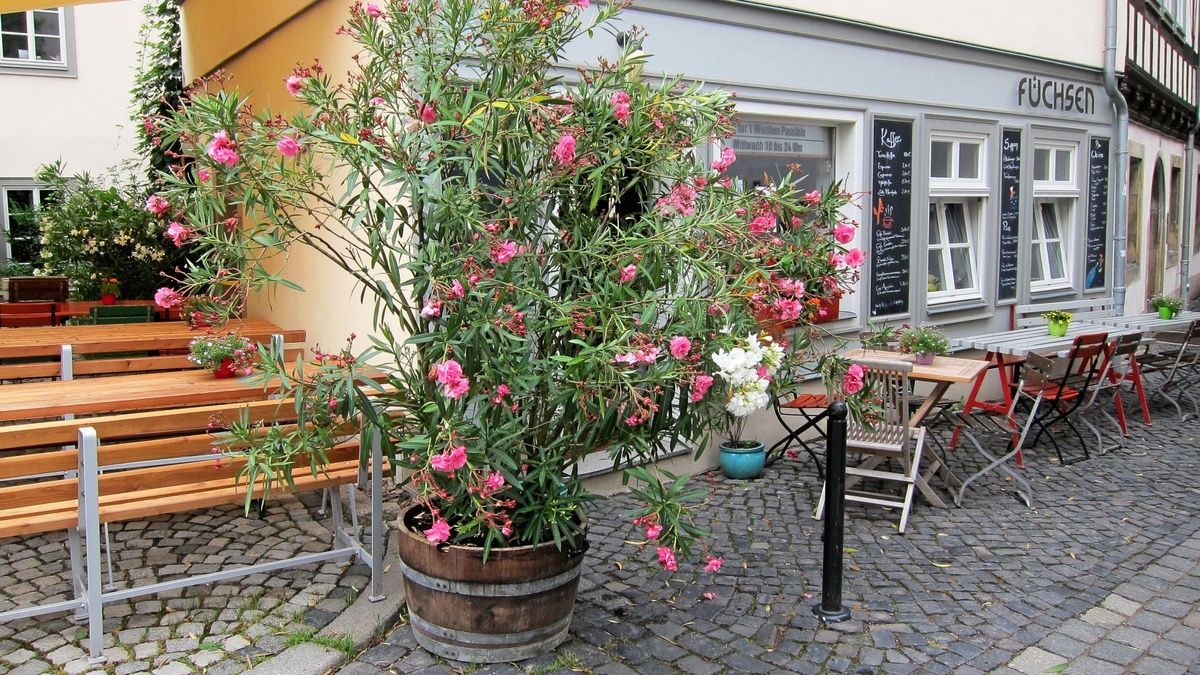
(1167, 306)
(1058, 320)
(925, 342)
(746, 371)
(110, 288)
(552, 270)
(225, 355)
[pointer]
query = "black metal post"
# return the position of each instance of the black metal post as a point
(830, 609)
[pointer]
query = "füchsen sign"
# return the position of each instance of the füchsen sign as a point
(1041, 92)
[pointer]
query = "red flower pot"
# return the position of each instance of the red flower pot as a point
(225, 370)
(108, 299)
(832, 307)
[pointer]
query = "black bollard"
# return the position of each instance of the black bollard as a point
(830, 609)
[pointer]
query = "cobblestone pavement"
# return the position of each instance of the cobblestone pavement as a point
(225, 628)
(1102, 575)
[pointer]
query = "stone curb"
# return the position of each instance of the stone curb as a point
(363, 621)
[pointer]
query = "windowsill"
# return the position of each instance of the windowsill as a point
(17, 67)
(955, 305)
(1051, 292)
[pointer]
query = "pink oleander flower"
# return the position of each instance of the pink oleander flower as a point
(666, 558)
(653, 530)
(812, 198)
(792, 287)
(373, 10)
(582, 4)
(620, 104)
(502, 391)
(786, 309)
(157, 205)
(456, 290)
(504, 252)
(837, 259)
(680, 346)
(222, 150)
(763, 224)
(700, 386)
(628, 273)
(377, 101)
(564, 150)
(450, 461)
(167, 298)
(294, 84)
(714, 564)
(177, 233)
(288, 147)
(427, 112)
(432, 308)
(680, 200)
(855, 257)
(203, 175)
(852, 383)
(450, 375)
(843, 233)
(727, 158)
(439, 533)
(634, 420)
(495, 481)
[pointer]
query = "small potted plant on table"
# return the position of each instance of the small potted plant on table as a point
(926, 342)
(1167, 306)
(1057, 320)
(110, 289)
(225, 355)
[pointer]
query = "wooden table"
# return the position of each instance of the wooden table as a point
(943, 372)
(125, 393)
(47, 341)
(76, 308)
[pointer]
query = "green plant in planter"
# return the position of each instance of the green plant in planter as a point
(210, 351)
(1172, 304)
(928, 340)
(1058, 320)
(110, 285)
(552, 265)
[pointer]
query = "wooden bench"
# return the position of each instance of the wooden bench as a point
(1028, 316)
(157, 463)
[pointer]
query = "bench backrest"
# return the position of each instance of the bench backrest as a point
(121, 365)
(1029, 316)
(25, 314)
(122, 314)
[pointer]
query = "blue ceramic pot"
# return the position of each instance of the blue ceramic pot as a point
(743, 462)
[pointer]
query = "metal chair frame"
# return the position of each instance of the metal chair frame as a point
(1065, 389)
(1120, 367)
(786, 411)
(1172, 364)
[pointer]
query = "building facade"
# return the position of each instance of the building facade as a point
(65, 74)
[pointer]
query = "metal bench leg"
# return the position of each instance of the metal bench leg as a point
(378, 541)
(340, 536)
(89, 521)
(77, 570)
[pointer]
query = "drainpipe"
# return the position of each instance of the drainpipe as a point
(1189, 190)
(1120, 141)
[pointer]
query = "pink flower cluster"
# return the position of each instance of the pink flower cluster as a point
(157, 205)
(427, 112)
(763, 224)
(564, 150)
(178, 233)
(680, 346)
(628, 273)
(843, 233)
(440, 531)
(646, 355)
(852, 383)
(222, 150)
(451, 460)
(700, 386)
(449, 374)
(167, 298)
(727, 158)
(504, 252)
(680, 200)
(294, 84)
(666, 558)
(620, 106)
(288, 146)
(373, 10)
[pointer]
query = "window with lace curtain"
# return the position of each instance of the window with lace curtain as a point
(957, 191)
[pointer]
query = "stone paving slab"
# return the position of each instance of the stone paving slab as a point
(1107, 556)
(227, 627)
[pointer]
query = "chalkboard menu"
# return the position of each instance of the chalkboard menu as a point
(891, 216)
(1010, 209)
(1097, 213)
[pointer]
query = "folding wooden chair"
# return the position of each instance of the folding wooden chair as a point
(18, 314)
(1176, 357)
(887, 438)
(1064, 387)
(798, 413)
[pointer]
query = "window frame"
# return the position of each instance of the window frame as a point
(1066, 196)
(973, 213)
(66, 67)
(39, 191)
(1038, 242)
(954, 184)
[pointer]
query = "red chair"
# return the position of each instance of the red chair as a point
(18, 314)
(1064, 384)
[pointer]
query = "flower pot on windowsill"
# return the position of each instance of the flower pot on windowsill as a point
(743, 462)
(225, 370)
(829, 309)
(1058, 328)
(1165, 313)
(108, 299)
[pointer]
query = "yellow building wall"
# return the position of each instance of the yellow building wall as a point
(265, 40)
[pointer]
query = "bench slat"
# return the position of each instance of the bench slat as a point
(117, 366)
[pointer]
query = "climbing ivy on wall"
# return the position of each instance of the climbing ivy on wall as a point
(159, 83)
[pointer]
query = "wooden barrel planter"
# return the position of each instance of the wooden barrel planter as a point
(515, 606)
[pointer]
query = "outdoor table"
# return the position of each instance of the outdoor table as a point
(943, 372)
(1149, 322)
(125, 393)
(76, 308)
(48, 341)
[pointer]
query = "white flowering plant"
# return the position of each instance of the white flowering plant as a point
(747, 371)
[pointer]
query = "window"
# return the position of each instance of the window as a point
(768, 148)
(957, 191)
(952, 265)
(22, 242)
(35, 38)
(1055, 206)
(1048, 262)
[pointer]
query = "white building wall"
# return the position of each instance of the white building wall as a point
(1063, 30)
(84, 119)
